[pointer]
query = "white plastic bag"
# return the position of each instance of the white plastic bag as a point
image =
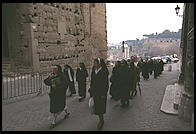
(91, 105)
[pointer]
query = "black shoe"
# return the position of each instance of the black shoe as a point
(67, 114)
(81, 99)
(52, 126)
(70, 95)
(100, 125)
(135, 93)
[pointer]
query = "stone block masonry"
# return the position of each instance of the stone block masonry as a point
(65, 33)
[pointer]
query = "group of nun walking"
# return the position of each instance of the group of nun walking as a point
(124, 79)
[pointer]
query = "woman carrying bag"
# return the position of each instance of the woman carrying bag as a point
(98, 89)
(58, 84)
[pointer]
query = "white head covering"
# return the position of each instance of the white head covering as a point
(99, 60)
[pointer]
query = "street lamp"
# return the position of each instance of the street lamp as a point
(177, 11)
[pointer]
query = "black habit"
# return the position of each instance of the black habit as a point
(98, 89)
(81, 75)
(58, 93)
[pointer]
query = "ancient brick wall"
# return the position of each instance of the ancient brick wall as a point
(60, 33)
(99, 37)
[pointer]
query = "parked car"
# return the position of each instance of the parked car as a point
(175, 60)
(155, 58)
(166, 59)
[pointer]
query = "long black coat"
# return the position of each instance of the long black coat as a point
(58, 93)
(98, 90)
(115, 85)
(145, 70)
(71, 84)
(125, 80)
(156, 68)
(81, 76)
(135, 77)
(67, 76)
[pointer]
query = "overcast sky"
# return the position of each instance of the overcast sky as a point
(128, 21)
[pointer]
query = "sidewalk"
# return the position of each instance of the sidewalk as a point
(31, 114)
(143, 114)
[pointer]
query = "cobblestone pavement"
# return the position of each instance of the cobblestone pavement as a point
(143, 114)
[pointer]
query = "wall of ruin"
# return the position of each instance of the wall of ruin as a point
(59, 33)
(98, 25)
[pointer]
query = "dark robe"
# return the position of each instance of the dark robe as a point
(125, 80)
(81, 76)
(162, 66)
(98, 90)
(150, 66)
(140, 64)
(115, 86)
(156, 69)
(145, 71)
(135, 77)
(71, 84)
(58, 93)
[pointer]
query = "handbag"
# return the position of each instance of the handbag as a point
(91, 105)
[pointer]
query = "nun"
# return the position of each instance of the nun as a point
(114, 79)
(125, 80)
(81, 75)
(98, 89)
(69, 74)
(56, 80)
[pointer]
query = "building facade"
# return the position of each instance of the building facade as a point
(37, 35)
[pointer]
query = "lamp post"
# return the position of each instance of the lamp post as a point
(177, 11)
(123, 48)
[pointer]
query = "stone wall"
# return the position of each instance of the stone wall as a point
(186, 107)
(98, 38)
(155, 47)
(58, 33)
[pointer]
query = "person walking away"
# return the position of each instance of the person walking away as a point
(114, 79)
(133, 75)
(145, 70)
(81, 75)
(98, 89)
(162, 66)
(150, 66)
(136, 78)
(58, 84)
(125, 83)
(155, 68)
(69, 74)
(140, 64)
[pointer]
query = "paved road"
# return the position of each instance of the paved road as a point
(143, 114)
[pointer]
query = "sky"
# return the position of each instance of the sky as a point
(128, 21)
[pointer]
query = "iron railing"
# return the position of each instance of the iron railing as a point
(22, 84)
